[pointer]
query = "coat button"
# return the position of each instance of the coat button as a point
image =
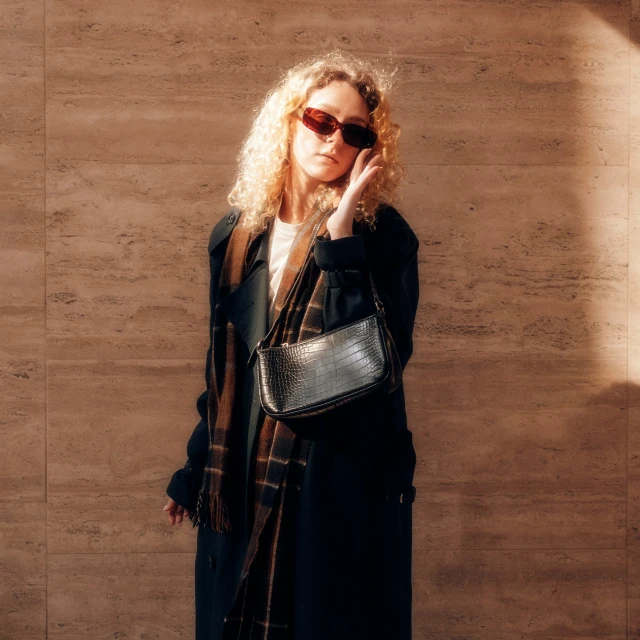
(231, 218)
(212, 563)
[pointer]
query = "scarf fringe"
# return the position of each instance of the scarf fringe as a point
(216, 515)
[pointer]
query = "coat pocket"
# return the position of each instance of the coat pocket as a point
(396, 573)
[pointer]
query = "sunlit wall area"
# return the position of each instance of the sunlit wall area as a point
(119, 132)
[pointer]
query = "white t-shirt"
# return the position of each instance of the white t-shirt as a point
(282, 235)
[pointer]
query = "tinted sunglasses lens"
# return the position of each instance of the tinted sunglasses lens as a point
(358, 136)
(318, 121)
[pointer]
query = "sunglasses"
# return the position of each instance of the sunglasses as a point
(325, 124)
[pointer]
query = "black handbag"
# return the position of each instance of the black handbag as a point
(313, 376)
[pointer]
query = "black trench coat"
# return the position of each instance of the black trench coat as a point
(352, 562)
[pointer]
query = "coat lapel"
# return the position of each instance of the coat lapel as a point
(247, 307)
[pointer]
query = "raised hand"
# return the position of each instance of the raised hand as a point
(340, 223)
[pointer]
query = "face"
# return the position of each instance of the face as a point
(344, 103)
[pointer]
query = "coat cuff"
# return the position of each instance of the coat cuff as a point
(183, 487)
(342, 253)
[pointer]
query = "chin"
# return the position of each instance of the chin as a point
(325, 176)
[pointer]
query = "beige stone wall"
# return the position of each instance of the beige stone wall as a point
(119, 127)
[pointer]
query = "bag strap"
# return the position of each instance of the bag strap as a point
(378, 302)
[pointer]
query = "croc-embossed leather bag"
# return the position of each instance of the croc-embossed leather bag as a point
(313, 376)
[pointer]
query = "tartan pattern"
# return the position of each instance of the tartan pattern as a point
(261, 609)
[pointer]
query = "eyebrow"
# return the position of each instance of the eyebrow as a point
(323, 104)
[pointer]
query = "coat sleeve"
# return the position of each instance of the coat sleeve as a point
(185, 483)
(391, 253)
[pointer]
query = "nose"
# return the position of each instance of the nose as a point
(337, 138)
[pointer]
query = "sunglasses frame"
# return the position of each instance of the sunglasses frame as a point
(336, 124)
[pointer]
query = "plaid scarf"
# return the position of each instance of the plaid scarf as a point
(262, 605)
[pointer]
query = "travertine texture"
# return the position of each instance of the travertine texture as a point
(120, 126)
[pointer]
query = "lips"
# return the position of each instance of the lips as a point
(324, 155)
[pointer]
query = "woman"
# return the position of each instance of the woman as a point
(305, 525)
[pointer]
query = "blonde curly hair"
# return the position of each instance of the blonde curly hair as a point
(263, 161)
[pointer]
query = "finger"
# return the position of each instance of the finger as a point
(371, 163)
(362, 158)
(372, 174)
(368, 172)
(365, 177)
(376, 163)
(359, 166)
(375, 160)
